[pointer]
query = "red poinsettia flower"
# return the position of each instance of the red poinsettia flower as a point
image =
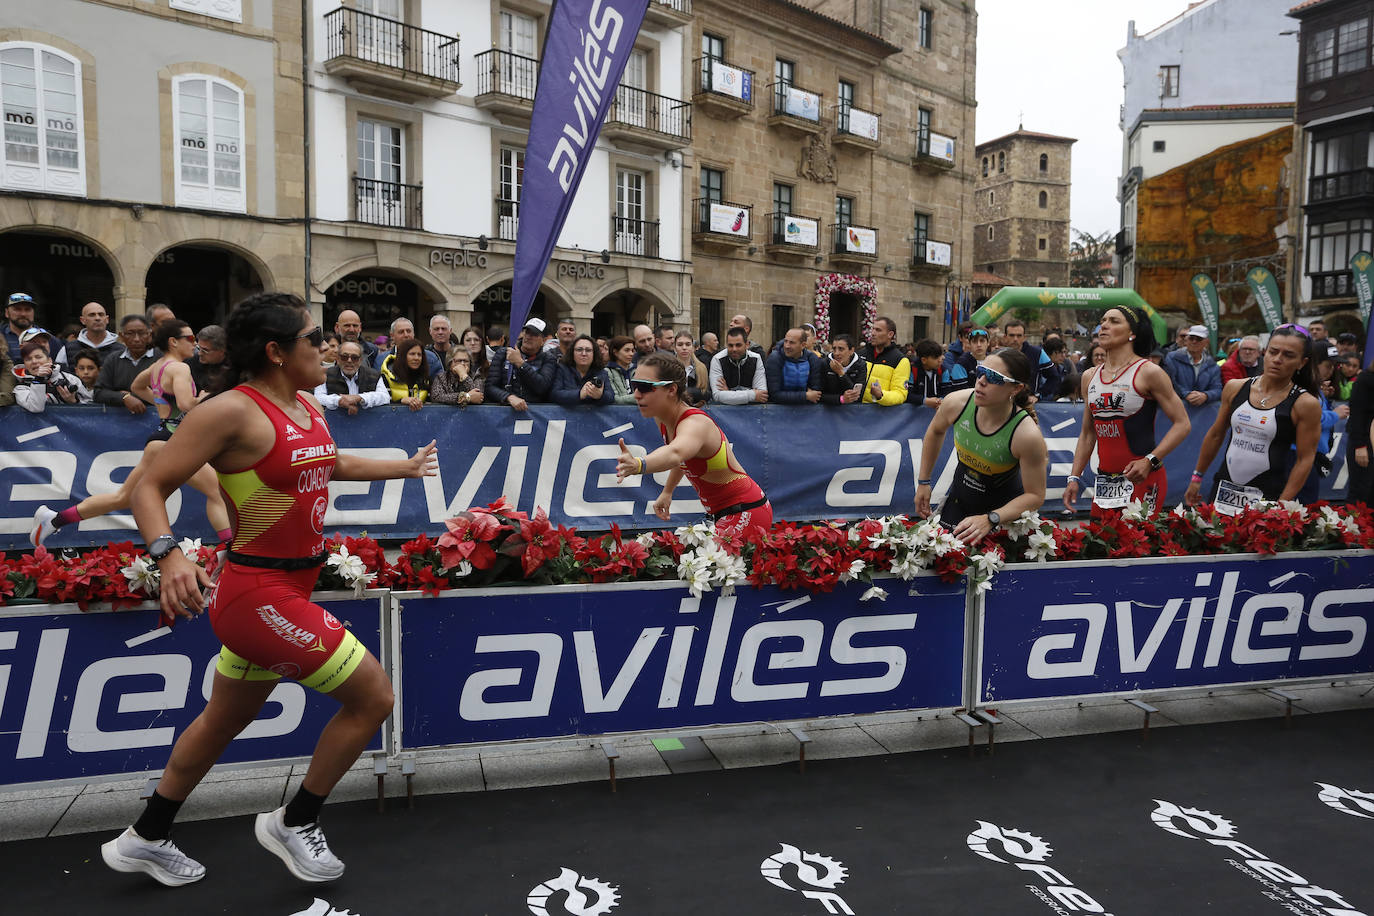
(534, 543)
(469, 538)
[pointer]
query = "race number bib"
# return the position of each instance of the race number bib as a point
(1232, 497)
(1112, 491)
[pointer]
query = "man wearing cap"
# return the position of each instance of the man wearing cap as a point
(1196, 376)
(517, 377)
(95, 335)
(18, 319)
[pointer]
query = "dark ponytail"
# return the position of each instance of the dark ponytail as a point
(1141, 329)
(1306, 376)
(1019, 367)
(252, 325)
(166, 330)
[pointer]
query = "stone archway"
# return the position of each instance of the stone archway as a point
(202, 280)
(618, 310)
(490, 300)
(61, 269)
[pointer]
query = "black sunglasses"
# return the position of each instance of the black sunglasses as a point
(645, 386)
(315, 335)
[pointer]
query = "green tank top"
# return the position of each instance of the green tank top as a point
(989, 456)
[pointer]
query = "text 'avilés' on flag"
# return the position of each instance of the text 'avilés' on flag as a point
(586, 47)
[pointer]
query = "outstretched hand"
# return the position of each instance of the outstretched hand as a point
(626, 465)
(425, 462)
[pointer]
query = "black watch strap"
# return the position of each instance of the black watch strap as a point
(161, 546)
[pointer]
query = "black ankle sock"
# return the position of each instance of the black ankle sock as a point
(156, 821)
(303, 809)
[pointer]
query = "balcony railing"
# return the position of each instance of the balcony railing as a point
(723, 88)
(1332, 285)
(367, 37)
(856, 123)
(682, 6)
(934, 149)
(722, 218)
(507, 73)
(792, 101)
(923, 259)
(387, 203)
(794, 232)
(1125, 242)
(648, 111)
(507, 219)
(635, 236)
(668, 13)
(857, 243)
(1339, 185)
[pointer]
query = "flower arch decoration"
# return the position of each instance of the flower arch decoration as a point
(828, 284)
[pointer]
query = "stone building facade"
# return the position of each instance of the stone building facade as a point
(842, 173)
(1021, 202)
(154, 152)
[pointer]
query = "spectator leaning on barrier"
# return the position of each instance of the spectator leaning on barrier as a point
(1196, 376)
(458, 385)
(958, 373)
(116, 373)
(40, 380)
(558, 345)
(926, 389)
(581, 378)
(86, 367)
(737, 373)
(495, 341)
(793, 372)
(1245, 362)
(351, 385)
(955, 350)
(843, 373)
(350, 327)
(402, 330)
(519, 376)
(95, 335)
(620, 368)
(698, 376)
(406, 374)
(888, 369)
(744, 321)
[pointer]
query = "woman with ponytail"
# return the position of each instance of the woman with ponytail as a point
(1267, 416)
(272, 453)
(1121, 399)
(1002, 459)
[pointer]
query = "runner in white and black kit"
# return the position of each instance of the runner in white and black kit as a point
(1267, 416)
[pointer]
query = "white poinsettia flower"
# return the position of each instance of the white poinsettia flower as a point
(462, 570)
(646, 540)
(1040, 546)
(1181, 510)
(907, 567)
(144, 576)
(1135, 511)
(1024, 524)
(874, 592)
(1293, 507)
(190, 546)
(855, 569)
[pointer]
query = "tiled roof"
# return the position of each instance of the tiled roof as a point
(842, 24)
(1239, 106)
(1029, 134)
(983, 278)
(1305, 5)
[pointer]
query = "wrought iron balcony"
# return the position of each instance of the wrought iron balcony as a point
(721, 223)
(855, 127)
(387, 57)
(507, 219)
(931, 256)
(1340, 186)
(934, 151)
(793, 233)
(795, 108)
(387, 203)
(669, 13)
(505, 85)
(634, 236)
(722, 89)
(856, 244)
(649, 122)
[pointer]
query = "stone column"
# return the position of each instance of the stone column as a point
(128, 300)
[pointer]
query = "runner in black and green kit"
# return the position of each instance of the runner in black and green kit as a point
(1002, 459)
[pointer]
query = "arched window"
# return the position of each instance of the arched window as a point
(207, 129)
(1044, 162)
(989, 233)
(985, 166)
(1001, 162)
(992, 198)
(1044, 199)
(40, 92)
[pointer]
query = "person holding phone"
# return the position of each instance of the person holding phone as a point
(581, 378)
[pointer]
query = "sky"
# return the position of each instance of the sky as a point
(1051, 66)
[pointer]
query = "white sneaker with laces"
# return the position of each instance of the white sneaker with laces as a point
(303, 849)
(42, 526)
(161, 859)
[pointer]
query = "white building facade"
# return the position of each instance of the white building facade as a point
(420, 116)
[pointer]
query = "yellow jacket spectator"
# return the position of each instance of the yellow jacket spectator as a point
(889, 371)
(406, 374)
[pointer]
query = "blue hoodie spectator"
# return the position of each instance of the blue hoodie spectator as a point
(793, 372)
(1189, 376)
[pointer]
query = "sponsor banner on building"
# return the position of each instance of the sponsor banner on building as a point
(729, 220)
(813, 462)
(527, 663)
(728, 80)
(800, 104)
(1151, 624)
(1266, 290)
(860, 240)
(863, 123)
(942, 147)
(104, 693)
(798, 230)
(939, 253)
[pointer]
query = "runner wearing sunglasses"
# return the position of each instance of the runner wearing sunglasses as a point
(274, 456)
(1121, 398)
(695, 446)
(1002, 460)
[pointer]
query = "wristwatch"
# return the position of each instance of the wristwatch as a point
(1155, 461)
(162, 545)
(995, 518)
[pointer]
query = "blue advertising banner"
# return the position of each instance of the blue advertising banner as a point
(1064, 630)
(586, 46)
(537, 663)
(813, 462)
(102, 693)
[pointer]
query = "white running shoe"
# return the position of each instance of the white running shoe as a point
(303, 849)
(159, 858)
(42, 526)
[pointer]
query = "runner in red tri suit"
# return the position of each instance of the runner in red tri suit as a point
(272, 452)
(1121, 398)
(694, 446)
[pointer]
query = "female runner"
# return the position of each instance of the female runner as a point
(695, 446)
(168, 384)
(1267, 416)
(274, 456)
(1120, 400)
(1002, 459)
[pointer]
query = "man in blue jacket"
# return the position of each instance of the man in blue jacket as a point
(793, 372)
(1196, 376)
